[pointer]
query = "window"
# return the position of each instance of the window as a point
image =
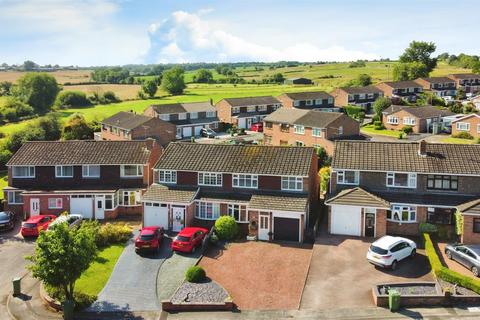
(370, 96)
(292, 183)
(410, 89)
(330, 100)
(296, 103)
(351, 97)
(167, 176)
(268, 125)
(131, 198)
(55, 203)
(476, 225)
(15, 197)
(440, 215)
(23, 172)
(318, 101)
(463, 126)
(284, 128)
(478, 128)
(348, 177)
(193, 115)
(251, 108)
(438, 182)
(316, 132)
(262, 108)
(361, 96)
(90, 171)
(238, 212)
(401, 180)
(110, 202)
(409, 121)
(340, 130)
(182, 116)
(245, 181)
(275, 107)
(299, 129)
(211, 114)
(127, 171)
(299, 144)
(235, 110)
(209, 179)
(207, 210)
(309, 102)
(64, 171)
(392, 120)
(402, 214)
(164, 117)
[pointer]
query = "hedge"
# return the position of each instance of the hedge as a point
(444, 273)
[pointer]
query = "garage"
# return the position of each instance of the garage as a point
(242, 123)
(197, 130)
(155, 214)
(187, 132)
(82, 205)
(346, 220)
(286, 229)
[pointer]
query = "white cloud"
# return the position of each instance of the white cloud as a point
(191, 37)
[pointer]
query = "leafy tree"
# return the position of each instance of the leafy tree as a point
(62, 255)
(157, 70)
(110, 75)
(409, 71)
(420, 51)
(77, 128)
(38, 90)
(323, 158)
(13, 109)
(5, 155)
(29, 65)
(278, 78)
(150, 87)
(324, 174)
(51, 126)
(443, 56)
(71, 99)
(476, 67)
(357, 64)
(381, 104)
(173, 81)
(364, 80)
(6, 88)
(203, 76)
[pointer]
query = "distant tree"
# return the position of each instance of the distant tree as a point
(13, 109)
(150, 87)
(173, 81)
(381, 104)
(278, 78)
(51, 127)
(17, 139)
(443, 56)
(38, 90)
(420, 51)
(476, 67)
(77, 128)
(157, 70)
(357, 64)
(409, 71)
(364, 80)
(203, 76)
(6, 88)
(29, 65)
(69, 99)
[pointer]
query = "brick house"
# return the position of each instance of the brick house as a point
(189, 118)
(311, 128)
(439, 86)
(469, 82)
(97, 179)
(243, 112)
(407, 90)
(470, 123)
(132, 126)
(308, 100)
(379, 188)
(271, 189)
(421, 119)
(356, 96)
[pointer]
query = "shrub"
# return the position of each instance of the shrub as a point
(378, 125)
(407, 129)
(376, 118)
(111, 233)
(427, 228)
(354, 112)
(82, 300)
(463, 135)
(110, 97)
(195, 274)
(69, 99)
(226, 227)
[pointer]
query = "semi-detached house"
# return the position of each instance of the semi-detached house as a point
(270, 190)
(379, 188)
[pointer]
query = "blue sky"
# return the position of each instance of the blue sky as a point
(115, 32)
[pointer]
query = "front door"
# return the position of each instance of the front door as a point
(178, 219)
(34, 207)
(100, 207)
(369, 224)
(249, 122)
(264, 227)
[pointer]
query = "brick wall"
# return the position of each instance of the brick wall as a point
(224, 111)
(420, 125)
(408, 228)
(474, 122)
(468, 236)
(381, 223)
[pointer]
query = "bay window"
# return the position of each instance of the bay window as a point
(292, 183)
(245, 180)
(89, 171)
(392, 120)
(129, 171)
(348, 177)
(401, 180)
(207, 210)
(401, 213)
(209, 179)
(167, 176)
(15, 197)
(23, 172)
(463, 126)
(238, 212)
(64, 171)
(130, 198)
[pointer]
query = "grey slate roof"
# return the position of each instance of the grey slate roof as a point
(358, 197)
(393, 108)
(404, 157)
(426, 199)
(312, 95)
(249, 101)
(266, 160)
(308, 118)
(157, 192)
(359, 90)
(438, 80)
(424, 112)
(402, 84)
(79, 152)
(279, 202)
(126, 120)
(465, 76)
(183, 107)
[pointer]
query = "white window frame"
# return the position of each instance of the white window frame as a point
(392, 120)
(409, 121)
(235, 110)
(411, 180)
(59, 172)
(209, 176)
(298, 129)
(202, 208)
(30, 169)
(370, 95)
(362, 96)
(398, 209)
(262, 108)
(463, 126)
(193, 115)
(167, 176)
(137, 175)
(340, 130)
(316, 132)
(86, 171)
(113, 198)
(297, 181)
(478, 128)
(318, 101)
(251, 108)
(56, 204)
(129, 193)
(164, 117)
(211, 114)
(234, 207)
(309, 102)
(330, 100)
(182, 116)
(341, 177)
(296, 103)
(252, 180)
(12, 199)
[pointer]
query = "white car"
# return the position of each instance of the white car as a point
(71, 219)
(387, 251)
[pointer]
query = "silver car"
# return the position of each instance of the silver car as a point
(71, 220)
(467, 255)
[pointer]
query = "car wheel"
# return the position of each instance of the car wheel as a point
(449, 254)
(412, 254)
(475, 271)
(394, 265)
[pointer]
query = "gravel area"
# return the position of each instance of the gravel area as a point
(460, 290)
(205, 292)
(411, 290)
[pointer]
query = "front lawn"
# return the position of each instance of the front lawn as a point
(458, 141)
(369, 129)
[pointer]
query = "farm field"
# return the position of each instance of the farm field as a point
(62, 76)
(123, 91)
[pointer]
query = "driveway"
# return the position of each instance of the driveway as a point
(340, 276)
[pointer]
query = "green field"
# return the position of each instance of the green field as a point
(3, 182)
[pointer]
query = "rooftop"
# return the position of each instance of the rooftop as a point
(308, 95)
(127, 120)
(402, 84)
(438, 79)
(183, 107)
(360, 90)
(248, 101)
(308, 118)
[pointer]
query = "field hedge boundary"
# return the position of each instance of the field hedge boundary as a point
(442, 272)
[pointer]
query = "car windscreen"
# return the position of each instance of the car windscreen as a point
(378, 250)
(183, 239)
(4, 216)
(29, 225)
(146, 237)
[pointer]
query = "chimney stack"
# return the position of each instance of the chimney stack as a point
(422, 148)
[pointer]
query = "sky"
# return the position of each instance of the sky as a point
(118, 32)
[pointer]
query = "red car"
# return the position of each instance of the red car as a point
(257, 127)
(189, 239)
(150, 238)
(33, 226)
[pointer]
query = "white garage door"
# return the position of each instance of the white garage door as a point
(155, 215)
(346, 220)
(242, 123)
(197, 130)
(187, 132)
(82, 206)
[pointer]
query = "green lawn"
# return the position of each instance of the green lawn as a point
(95, 278)
(369, 129)
(458, 141)
(3, 182)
